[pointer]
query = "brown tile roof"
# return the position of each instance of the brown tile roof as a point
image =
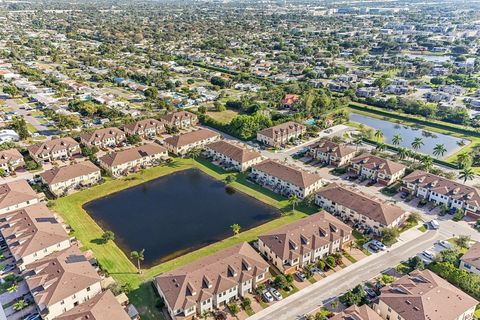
(60, 275)
(103, 306)
(211, 275)
(305, 235)
(373, 208)
(171, 118)
(444, 186)
(234, 151)
(472, 256)
(423, 295)
(102, 134)
(330, 147)
(15, 192)
(120, 157)
(31, 229)
(295, 176)
(6, 156)
(379, 164)
(290, 99)
(144, 124)
(61, 174)
(284, 128)
(49, 146)
(190, 137)
(357, 313)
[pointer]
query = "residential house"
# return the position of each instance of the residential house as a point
(184, 143)
(233, 155)
(305, 241)
(103, 138)
(363, 210)
(61, 281)
(55, 149)
(147, 128)
(281, 134)
(180, 120)
(32, 233)
(443, 191)
(470, 261)
(103, 306)
(355, 312)
(121, 162)
(11, 159)
(375, 168)
(332, 153)
(285, 179)
(424, 295)
(212, 282)
(16, 195)
(60, 180)
(290, 100)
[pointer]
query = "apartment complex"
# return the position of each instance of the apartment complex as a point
(103, 138)
(32, 233)
(121, 162)
(183, 143)
(470, 261)
(147, 128)
(359, 208)
(281, 134)
(61, 180)
(285, 179)
(180, 120)
(16, 195)
(10, 160)
(304, 241)
(61, 281)
(331, 153)
(233, 155)
(443, 191)
(424, 295)
(375, 168)
(211, 282)
(55, 149)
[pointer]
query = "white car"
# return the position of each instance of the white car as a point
(276, 294)
(267, 296)
(434, 224)
(428, 254)
(379, 245)
(445, 244)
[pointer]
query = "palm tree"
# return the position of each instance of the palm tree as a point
(294, 200)
(417, 143)
(397, 139)
(139, 255)
(439, 150)
(236, 229)
(402, 153)
(378, 135)
(467, 173)
(13, 288)
(381, 146)
(19, 305)
(194, 153)
(427, 162)
(464, 159)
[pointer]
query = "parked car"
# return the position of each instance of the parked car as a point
(34, 316)
(276, 294)
(445, 244)
(370, 292)
(8, 268)
(373, 247)
(434, 224)
(404, 195)
(301, 276)
(428, 254)
(379, 245)
(315, 270)
(267, 296)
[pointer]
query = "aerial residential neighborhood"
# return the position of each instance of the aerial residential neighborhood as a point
(239, 160)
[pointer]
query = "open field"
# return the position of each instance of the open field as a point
(118, 265)
(224, 116)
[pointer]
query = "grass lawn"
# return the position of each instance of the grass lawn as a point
(423, 228)
(224, 116)
(119, 266)
(31, 128)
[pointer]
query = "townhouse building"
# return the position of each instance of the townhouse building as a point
(61, 180)
(424, 295)
(103, 138)
(355, 312)
(375, 168)
(233, 155)
(55, 149)
(11, 160)
(470, 261)
(212, 282)
(363, 210)
(304, 241)
(180, 120)
(285, 179)
(61, 281)
(331, 153)
(16, 195)
(121, 162)
(182, 144)
(443, 191)
(281, 134)
(32, 233)
(147, 128)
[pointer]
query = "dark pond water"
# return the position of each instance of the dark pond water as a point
(176, 214)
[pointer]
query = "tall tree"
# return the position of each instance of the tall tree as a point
(397, 139)
(467, 173)
(236, 228)
(293, 200)
(439, 150)
(139, 256)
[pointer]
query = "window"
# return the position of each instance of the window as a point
(88, 289)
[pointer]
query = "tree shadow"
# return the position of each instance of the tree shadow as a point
(98, 241)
